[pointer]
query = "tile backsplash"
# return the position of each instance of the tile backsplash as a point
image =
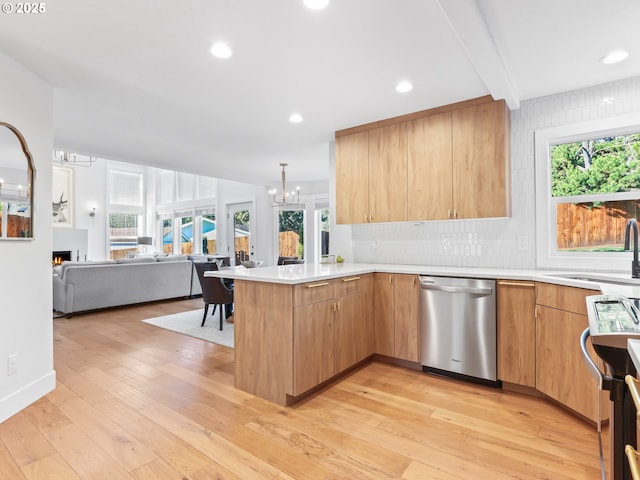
(501, 242)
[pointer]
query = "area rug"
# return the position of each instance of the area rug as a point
(188, 323)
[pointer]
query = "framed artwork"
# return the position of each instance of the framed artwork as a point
(62, 196)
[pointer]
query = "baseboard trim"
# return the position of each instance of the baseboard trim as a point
(22, 398)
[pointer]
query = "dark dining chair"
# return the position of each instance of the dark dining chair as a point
(293, 261)
(214, 291)
(283, 259)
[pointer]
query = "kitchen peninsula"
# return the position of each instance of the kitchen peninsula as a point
(299, 326)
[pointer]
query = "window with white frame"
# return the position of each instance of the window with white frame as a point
(588, 187)
(186, 215)
(291, 233)
(126, 210)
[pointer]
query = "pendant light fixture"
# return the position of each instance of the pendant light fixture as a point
(287, 198)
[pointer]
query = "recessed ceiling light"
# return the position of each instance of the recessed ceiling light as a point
(221, 50)
(295, 118)
(404, 87)
(316, 4)
(615, 57)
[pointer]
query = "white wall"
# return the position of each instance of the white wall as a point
(494, 242)
(26, 327)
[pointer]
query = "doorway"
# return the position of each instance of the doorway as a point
(241, 226)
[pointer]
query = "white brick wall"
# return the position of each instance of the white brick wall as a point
(494, 242)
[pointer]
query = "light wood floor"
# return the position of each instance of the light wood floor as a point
(137, 402)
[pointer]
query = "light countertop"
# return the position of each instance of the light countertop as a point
(608, 283)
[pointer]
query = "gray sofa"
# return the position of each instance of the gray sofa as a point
(81, 286)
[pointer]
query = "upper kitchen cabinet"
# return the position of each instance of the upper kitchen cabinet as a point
(388, 173)
(444, 163)
(352, 178)
(430, 168)
(481, 163)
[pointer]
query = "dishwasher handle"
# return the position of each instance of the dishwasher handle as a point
(454, 289)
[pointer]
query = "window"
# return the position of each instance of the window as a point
(124, 230)
(208, 231)
(587, 186)
(126, 210)
(167, 233)
(291, 233)
(324, 226)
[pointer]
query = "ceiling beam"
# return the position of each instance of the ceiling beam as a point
(468, 24)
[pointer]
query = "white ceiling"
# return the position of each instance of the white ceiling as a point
(134, 80)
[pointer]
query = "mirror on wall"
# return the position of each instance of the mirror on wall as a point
(16, 185)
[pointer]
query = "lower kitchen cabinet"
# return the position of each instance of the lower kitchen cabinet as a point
(516, 332)
(561, 373)
(396, 316)
(332, 334)
(353, 320)
(313, 345)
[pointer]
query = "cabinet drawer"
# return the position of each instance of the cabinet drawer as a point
(352, 285)
(312, 292)
(570, 299)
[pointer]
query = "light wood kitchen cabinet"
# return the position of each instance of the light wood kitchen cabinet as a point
(447, 162)
(353, 320)
(371, 176)
(430, 167)
(352, 178)
(332, 328)
(396, 316)
(313, 335)
(388, 173)
(481, 161)
(516, 332)
(561, 373)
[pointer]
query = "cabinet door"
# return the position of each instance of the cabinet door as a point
(353, 330)
(384, 314)
(313, 345)
(560, 370)
(352, 178)
(354, 320)
(388, 173)
(429, 163)
(481, 160)
(406, 330)
(516, 332)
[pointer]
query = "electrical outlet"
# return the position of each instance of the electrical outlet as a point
(523, 243)
(12, 364)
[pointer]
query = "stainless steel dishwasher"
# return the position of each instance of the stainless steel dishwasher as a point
(458, 327)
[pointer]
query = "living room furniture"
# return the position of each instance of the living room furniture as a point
(83, 286)
(214, 291)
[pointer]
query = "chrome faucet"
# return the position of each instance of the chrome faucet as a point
(635, 267)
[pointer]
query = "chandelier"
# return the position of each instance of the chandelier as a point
(67, 158)
(287, 198)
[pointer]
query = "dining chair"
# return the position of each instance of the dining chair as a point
(214, 291)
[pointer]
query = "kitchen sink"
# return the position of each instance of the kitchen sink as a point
(617, 279)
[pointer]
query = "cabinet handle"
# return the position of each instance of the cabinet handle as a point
(350, 279)
(365, 218)
(335, 306)
(455, 213)
(390, 279)
(516, 284)
(314, 285)
(449, 213)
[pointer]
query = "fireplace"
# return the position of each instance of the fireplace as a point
(59, 256)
